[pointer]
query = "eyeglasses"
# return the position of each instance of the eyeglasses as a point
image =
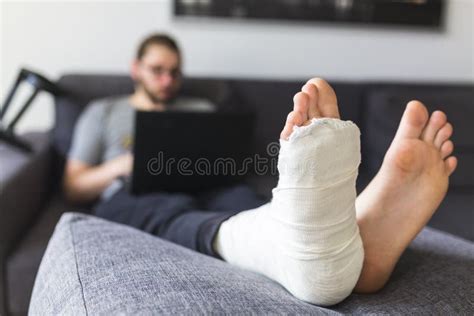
(159, 71)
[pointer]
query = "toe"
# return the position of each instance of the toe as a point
(301, 105)
(313, 96)
(443, 134)
(450, 164)
(286, 132)
(437, 120)
(294, 118)
(413, 121)
(327, 100)
(446, 149)
(298, 116)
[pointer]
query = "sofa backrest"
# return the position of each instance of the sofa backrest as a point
(385, 103)
(273, 100)
(79, 90)
(375, 107)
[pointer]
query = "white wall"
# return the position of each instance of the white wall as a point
(101, 36)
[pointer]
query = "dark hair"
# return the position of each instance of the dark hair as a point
(157, 39)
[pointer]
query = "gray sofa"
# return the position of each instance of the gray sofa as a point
(96, 266)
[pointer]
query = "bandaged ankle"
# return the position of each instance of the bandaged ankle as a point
(306, 238)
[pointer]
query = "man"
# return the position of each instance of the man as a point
(102, 141)
(314, 237)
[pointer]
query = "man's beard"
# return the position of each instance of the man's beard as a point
(155, 98)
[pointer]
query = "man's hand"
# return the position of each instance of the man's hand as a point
(85, 183)
(121, 165)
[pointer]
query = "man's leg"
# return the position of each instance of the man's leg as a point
(179, 217)
(306, 238)
(172, 216)
(151, 213)
(238, 197)
(196, 229)
(390, 212)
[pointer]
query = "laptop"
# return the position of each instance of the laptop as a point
(190, 151)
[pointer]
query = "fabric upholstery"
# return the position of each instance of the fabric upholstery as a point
(97, 267)
(22, 175)
(22, 264)
(456, 214)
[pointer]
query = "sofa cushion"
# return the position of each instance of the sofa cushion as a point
(455, 215)
(97, 267)
(23, 261)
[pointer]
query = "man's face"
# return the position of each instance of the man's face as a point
(158, 72)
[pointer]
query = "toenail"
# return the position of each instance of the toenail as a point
(439, 116)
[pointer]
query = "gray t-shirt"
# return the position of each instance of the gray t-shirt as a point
(105, 130)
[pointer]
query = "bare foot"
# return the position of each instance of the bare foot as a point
(317, 99)
(405, 193)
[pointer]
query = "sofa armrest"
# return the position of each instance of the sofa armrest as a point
(24, 186)
(93, 266)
